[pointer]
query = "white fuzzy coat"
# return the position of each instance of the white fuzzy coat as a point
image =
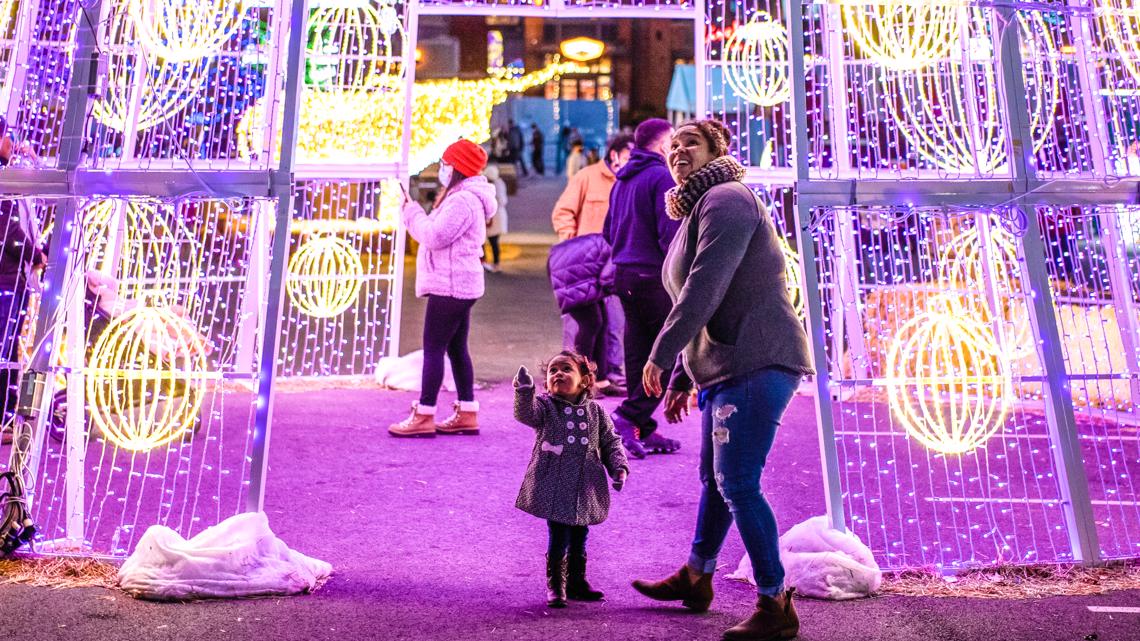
(449, 262)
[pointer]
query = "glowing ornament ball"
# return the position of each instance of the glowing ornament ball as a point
(185, 30)
(146, 378)
(950, 113)
(947, 386)
(324, 277)
(986, 278)
(142, 247)
(353, 48)
(903, 35)
(757, 57)
(144, 90)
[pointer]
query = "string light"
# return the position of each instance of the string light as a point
(1120, 21)
(757, 61)
(324, 277)
(145, 378)
(933, 107)
(443, 111)
(352, 50)
(792, 275)
(946, 385)
(184, 30)
(7, 15)
(903, 35)
(964, 263)
(142, 89)
(133, 242)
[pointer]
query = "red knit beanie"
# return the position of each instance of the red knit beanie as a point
(466, 157)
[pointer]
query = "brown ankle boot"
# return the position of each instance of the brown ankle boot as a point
(460, 422)
(775, 619)
(416, 425)
(577, 587)
(555, 582)
(693, 590)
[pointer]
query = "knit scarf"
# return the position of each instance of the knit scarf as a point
(679, 201)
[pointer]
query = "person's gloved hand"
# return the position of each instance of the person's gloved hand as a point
(619, 482)
(523, 379)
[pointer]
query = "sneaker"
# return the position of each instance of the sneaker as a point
(612, 389)
(657, 444)
(628, 432)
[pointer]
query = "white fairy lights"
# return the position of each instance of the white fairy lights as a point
(756, 57)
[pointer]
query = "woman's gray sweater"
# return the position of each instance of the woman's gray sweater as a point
(732, 314)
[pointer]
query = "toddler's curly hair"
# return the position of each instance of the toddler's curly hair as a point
(586, 368)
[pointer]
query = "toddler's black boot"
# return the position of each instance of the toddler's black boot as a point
(577, 587)
(555, 582)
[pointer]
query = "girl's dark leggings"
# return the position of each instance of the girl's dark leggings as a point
(447, 322)
(565, 538)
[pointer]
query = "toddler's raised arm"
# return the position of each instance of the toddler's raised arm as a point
(528, 410)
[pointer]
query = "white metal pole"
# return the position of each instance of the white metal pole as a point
(399, 241)
(833, 492)
(1066, 447)
(283, 190)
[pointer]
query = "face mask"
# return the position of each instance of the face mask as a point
(444, 174)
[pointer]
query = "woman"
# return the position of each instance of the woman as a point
(745, 349)
(449, 273)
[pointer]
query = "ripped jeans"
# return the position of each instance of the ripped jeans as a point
(739, 418)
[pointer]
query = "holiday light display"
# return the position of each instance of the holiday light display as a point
(7, 16)
(757, 61)
(903, 35)
(324, 277)
(135, 243)
(184, 30)
(143, 89)
(947, 386)
(1120, 21)
(353, 49)
(950, 113)
(986, 276)
(146, 378)
(443, 111)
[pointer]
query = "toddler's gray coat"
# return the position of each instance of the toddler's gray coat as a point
(575, 446)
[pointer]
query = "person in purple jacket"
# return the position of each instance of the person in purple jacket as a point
(639, 231)
(449, 272)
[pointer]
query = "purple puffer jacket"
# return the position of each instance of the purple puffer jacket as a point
(449, 262)
(580, 271)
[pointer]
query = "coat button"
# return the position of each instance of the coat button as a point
(570, 425)
(582, 426)
(570, 439)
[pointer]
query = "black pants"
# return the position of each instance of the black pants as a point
(646, 305)
(538, 162)
(447, 322)
(495, 252)
(565, 538)
(590, 341)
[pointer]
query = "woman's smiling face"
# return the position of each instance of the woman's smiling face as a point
(688, 152)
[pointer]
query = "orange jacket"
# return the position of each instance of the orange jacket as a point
(582, 207)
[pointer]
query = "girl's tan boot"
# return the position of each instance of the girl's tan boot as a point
(420, 423)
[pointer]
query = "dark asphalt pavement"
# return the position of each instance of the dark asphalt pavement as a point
(426, 543)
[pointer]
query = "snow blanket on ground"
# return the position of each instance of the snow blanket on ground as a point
(239, 557)
(822, 562)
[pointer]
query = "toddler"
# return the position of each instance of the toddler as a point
(575, 446)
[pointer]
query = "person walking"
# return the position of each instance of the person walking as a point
(515, 144)
(450, 274)
(498, 225)
(581, 210)
(639, 232)
(743, 346)
(537, 150)
(576, 161)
